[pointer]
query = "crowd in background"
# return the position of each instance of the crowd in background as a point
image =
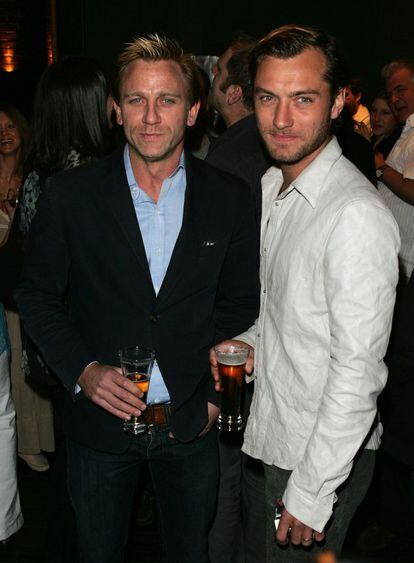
(73, 125)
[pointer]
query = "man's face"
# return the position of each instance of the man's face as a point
(400, 88)
(294, 107)
(154, 109)
(217, 97)
(352, 100)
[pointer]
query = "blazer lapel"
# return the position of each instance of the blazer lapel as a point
(117, 197)
(188, 242)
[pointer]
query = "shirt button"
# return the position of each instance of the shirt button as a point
(264, 291)
(258, 335)
(158, 251)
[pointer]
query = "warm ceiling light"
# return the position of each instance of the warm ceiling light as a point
(8, 59)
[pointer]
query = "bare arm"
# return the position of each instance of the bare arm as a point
(402, 187)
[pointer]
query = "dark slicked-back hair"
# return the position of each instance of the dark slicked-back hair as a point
(291, 40)
(154, 47)
(355, 85)
(238, 73)
(69, 113)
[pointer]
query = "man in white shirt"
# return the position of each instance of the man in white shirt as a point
(359, 113)
(329, 269)
(396, 175)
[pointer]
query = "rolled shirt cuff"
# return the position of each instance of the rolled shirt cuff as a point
(314, 514)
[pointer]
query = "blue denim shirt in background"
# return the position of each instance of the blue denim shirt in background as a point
(4, 336)
(160, 224)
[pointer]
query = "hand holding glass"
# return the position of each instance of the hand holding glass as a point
(137, 363)
(231, 361)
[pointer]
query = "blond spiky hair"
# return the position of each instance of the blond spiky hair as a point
(155, 47)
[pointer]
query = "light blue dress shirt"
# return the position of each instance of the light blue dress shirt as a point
(160, 224)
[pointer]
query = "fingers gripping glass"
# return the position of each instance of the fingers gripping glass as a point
(231, 361)
(137, 363)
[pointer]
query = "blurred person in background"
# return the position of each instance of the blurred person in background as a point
(14, 134)
(355, 146)
(65, 133)
(13, 142)
(11, 518)
(386, 128)
(359, 113)
(396, 173)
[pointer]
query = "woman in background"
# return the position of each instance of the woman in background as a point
(385, 126)
(70, 127)
(14, 133)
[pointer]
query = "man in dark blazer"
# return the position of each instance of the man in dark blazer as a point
(151, 247)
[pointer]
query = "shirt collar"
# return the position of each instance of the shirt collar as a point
(309, 183)
(409, 123)
(132, 183)
(311, 180)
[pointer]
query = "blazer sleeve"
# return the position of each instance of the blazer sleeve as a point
(238, 296)
(40, 295)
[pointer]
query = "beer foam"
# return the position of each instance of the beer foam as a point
(232, 359)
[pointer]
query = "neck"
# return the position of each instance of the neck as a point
(235, 115)
(292, 171)
(151, 174)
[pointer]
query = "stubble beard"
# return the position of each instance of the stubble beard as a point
(306, 149)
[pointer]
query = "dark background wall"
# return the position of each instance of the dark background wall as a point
(371, 32)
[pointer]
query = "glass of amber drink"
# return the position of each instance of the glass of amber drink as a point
(231, 364)
(136, 364)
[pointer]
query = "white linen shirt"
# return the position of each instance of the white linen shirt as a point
(328, 271)
(401, 159)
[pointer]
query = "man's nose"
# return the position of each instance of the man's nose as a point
(151, 114)
(283, 116)
(393, 97)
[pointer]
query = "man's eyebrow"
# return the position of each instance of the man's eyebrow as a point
(259, 90)
(305, 93)
(309, 91)
(160, 94)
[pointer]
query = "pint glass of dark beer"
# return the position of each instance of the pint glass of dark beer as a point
(231, 364)
(136, 364)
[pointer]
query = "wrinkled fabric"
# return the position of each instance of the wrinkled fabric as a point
(329, 268)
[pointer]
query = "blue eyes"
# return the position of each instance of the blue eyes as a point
(162, 101)
(300, 100)
(304, 100)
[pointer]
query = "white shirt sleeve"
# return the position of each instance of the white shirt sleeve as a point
(360, 276)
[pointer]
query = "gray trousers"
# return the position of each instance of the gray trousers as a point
(350, 495)
(239, 530)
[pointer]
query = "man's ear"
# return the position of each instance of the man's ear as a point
(234, 94)
(118, 113)
(338, 104)
(192, 114)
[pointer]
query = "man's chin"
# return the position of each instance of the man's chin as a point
(283, 157)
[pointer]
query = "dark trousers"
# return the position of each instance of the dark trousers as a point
(238, 534)
(350, 495)
(101, 487)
